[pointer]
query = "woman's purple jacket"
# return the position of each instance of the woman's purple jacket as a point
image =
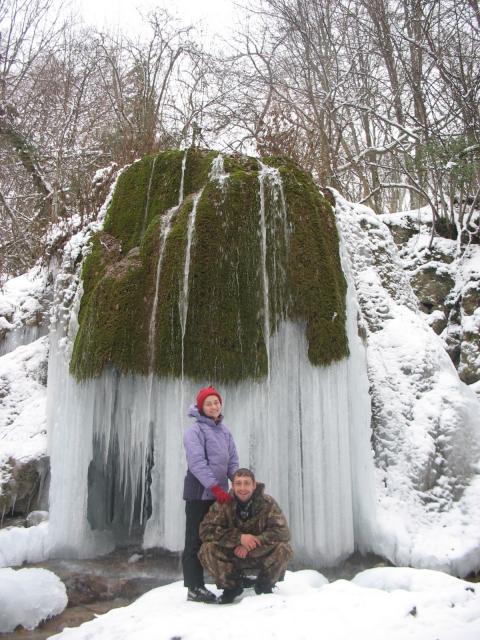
(212, 456)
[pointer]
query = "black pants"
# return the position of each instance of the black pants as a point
(195, 511)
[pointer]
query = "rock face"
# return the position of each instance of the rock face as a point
(446, 281)
(425, 421)
(23, 485)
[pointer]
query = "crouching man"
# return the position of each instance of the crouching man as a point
(249, 532)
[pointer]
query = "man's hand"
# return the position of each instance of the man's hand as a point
(249, 541)
(240, 552)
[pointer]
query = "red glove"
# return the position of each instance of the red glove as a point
(221, 495)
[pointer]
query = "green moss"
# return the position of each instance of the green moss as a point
(315, 279)
(222, 339)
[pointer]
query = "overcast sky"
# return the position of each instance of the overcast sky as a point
(214, 16)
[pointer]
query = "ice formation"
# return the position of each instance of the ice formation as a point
(29, 596)
(304, 429)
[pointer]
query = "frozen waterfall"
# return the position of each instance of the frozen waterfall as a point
(304, 430)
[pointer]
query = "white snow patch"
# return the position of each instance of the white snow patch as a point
(426, 421)
(19, 545)
(22, 302)
(29, 596)
(304, 606)
(23, 421)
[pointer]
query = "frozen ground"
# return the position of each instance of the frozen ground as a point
(393, 603)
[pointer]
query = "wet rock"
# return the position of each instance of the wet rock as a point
(469, 366)
(23, 485)
(432, 286)
(471, 298)
(84, 588)
(437, 320)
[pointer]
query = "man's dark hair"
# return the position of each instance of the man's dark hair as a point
(244, 472)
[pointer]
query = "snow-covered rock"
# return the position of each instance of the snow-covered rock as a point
(36, 517)
(23, 432)
(446, 280)
(24, 309)
(425, 421)
(29, 596)
(395, 606)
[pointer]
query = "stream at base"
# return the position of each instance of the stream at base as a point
(98, 585)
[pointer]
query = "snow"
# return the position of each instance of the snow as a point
(382, 603)
(29, 596)
(408, 219)
(426, 422)
(22, 302)
(23, 396)
(19, 545)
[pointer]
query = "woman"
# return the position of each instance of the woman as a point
(212, 459)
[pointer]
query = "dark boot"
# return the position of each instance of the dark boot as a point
(262, 586)
(201, 594)
(229, 595)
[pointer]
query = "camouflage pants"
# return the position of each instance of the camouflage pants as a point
(270, 560)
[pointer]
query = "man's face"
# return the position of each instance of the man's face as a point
(243, 487)
(212, 407)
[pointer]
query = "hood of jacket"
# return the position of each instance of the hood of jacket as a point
(193, 412)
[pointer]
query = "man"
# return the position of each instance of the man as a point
(249, 532)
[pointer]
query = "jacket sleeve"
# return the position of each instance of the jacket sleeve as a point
(232, 457)
(196, 459)
(276, 529)
(215, 527)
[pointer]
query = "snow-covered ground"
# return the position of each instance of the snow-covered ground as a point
(29, 596)
(393, 603)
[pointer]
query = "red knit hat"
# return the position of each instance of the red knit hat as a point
(204, 393)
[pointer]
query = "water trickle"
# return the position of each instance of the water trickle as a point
(183, 299)
(217, 172)
(165, 227)
(264, 172)
(182, 179)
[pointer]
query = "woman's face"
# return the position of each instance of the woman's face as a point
(212, 407)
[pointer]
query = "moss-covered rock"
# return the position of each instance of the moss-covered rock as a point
(216, 331)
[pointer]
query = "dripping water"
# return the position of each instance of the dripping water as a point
(182, 179)
(165, 227)
(217, 172)
(263, 249)
(183, 301)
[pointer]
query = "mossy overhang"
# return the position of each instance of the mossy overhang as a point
(223, 336)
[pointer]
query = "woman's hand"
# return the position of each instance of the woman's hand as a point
(220, 495)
